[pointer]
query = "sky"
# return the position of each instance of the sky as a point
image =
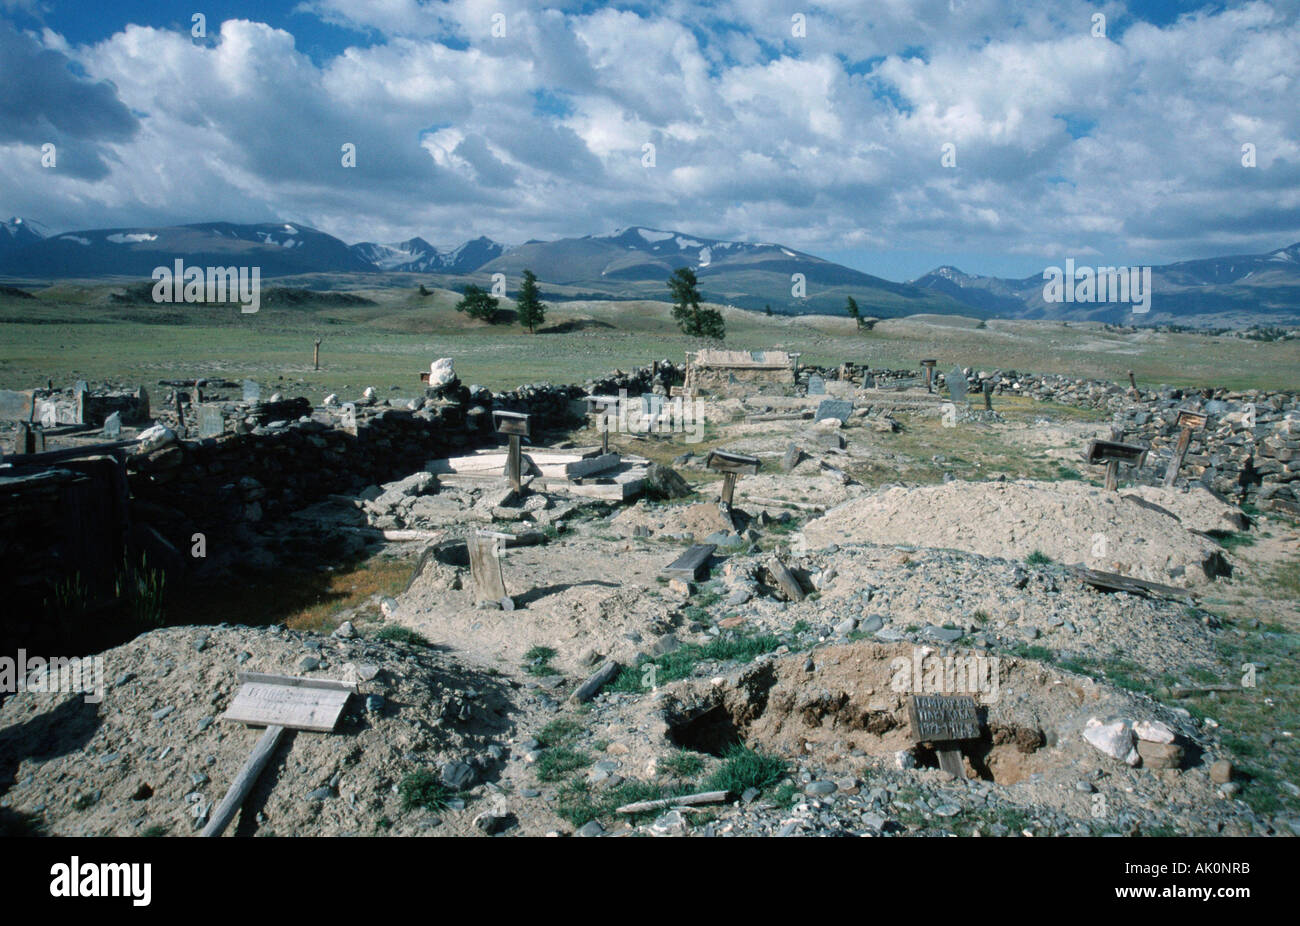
(889, 135)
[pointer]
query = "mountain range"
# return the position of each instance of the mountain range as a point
(635, 262)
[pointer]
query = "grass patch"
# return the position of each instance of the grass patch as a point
(555, 763)
(537, 661)
(1038, 558)
(681, 662)
(743, 768)
(423, 788)
(562, 731)
(396, 634)
(682, 765)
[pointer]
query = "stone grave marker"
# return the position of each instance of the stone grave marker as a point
(349, 418)
(112, 426)
(252, 391)
(211, 422)
(957, 385)
(834, 408)
(816, 385)
(944, 721)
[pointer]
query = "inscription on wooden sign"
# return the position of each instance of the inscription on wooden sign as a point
(943, 718)
(296, 707)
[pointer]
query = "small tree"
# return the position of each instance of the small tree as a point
(531, 309)
(852, 309)
(478, 303)
(690, 316)
(767, 310)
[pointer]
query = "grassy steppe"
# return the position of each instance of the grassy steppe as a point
(74, 330)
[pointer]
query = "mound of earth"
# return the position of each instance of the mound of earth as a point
(155, 756)
(1068, 522)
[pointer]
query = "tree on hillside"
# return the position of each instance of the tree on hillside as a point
(478, 303)
(767, 310)
(531, 309)
(690, 316)
(852, 309)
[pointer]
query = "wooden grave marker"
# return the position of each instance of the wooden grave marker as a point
(929, 365)
(1188, 421)
(944, 721)
(692, 564)
(514, 425)
(485, 551)
(1113, 453)
(278, 703)
(731, 465)
(600, 407)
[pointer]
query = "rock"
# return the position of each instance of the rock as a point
(345, 631)
(1115, 739)
(320, 794)
(158, 435)
(673, 823)
(1221, 772)
(943, 634)
(441, 372)
(662, 482)
(1153, 731)
(458, 775)
(590, 828)
(872, 623)
(846, 627)
(309, 663)
(1159, 755)
(731, 623)
(820, 788)
(904, 759)
(679, 587)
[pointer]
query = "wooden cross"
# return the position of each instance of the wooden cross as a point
(943, 721)
(1113, 453)
(1188, 421)
(514, 425)
(279, 703)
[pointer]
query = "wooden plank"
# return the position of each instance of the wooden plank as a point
(244, 781)
(294, 707)
(724, 462)
(1114, 582)
(943, 718)
(1101, 451)
(296, 681)
(598, 680)
(515, 424)
(686, 800)
(691, 565)
(485, 566)
(786, 580)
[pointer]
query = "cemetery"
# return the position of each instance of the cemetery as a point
(614, 624)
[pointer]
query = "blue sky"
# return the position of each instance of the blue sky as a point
(892, 136)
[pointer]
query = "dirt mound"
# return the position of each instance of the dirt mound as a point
(1067, 522)
(154, 755)
(1197, 508)
(679, 521)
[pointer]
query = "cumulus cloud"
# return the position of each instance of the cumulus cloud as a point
(1127, 144)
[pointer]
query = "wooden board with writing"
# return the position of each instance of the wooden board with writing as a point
(293, 706)
(943, 718)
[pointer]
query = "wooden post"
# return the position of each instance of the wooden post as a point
(244, 781)
(1112, 475)
(514, 463)
(315, 361)
(1189, 421)
(728, 487)
(1132, 382)
(1112, 453)
(180, 412)
(929, 374)
(988, 397)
